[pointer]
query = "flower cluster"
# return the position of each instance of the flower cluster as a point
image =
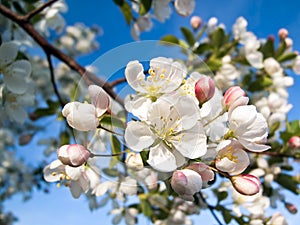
(173, 127)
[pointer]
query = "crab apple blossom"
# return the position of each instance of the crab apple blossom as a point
(184, 7)
(249, 127)
(84, 116)
(165, 76)
(14, 72)
(231, 158)
(246, 184)
(204, 89)
(73, 155)
(78, 179)
(171, 132)
(186, 183)
(294, 142)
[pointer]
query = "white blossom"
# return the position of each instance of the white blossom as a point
(171, 132)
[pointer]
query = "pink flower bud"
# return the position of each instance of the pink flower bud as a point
(195, 22)
(294, 142)
(186, 183)
(246, 184)
(73, 155)
(291, 207)
(204, 171)
(232, 95)
(271, 38)
(283, 33)
(204, 89)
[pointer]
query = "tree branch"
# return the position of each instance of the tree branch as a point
(53, 80)
(117, 82)
(211, 208)
(38, 10)
(88, 77)
(276, 154)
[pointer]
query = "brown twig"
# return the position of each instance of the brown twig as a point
(276, 154)
(53, 80)
(117, 82)
(88, 77)
(38, 10)
(211, 208)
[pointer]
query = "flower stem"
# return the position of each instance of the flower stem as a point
(115, 154)
(220, 114)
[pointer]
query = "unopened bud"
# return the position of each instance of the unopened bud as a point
(294, 142)
(196, 22)
(246, 184)
(134, 161)
(25, 139)
(73, 155)
(204, 171)
(271, 38)
(283, 33)
(232, 94)
(186, 183)
(291, 207)
(204, 89)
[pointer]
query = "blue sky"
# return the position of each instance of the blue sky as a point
(264, 17)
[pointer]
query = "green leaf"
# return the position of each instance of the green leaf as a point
(112, 121)
(281, 49)
(64, 138)
(188, 35)
(119, 2)
(288, 182)
(287, 56)
(145, 206)
(202, 48)
(218, 38)
(145, 6)
(112, 172)
(273, 128)
(115, 148)
(292, 128)
(51, 110)
(214, 64)
(268, 49)
(170, 39)
(260, 83)
(125, 9)
(221, 195)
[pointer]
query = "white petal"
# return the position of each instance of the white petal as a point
(254, 147)
(8, 52)
(138, 136)
(129, 186)
(161, 159)
(99, 99)
(191, 143)
(16, 113)
(102, 188)
(15, 76)
(255, 59)
(74, 172)
(138, 105)
(81, 116)
(134, 74)
(75, 189)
